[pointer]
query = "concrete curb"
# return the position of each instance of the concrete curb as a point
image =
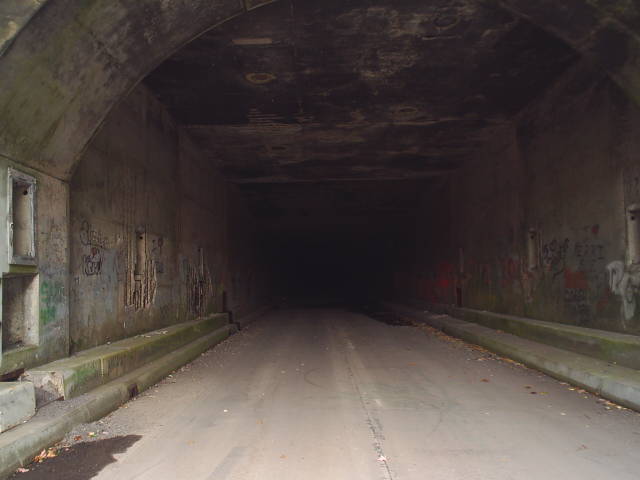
(86, 370)
(20, 445)
(618, 384)
(620, 348)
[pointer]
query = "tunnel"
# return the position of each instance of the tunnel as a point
(322, 240)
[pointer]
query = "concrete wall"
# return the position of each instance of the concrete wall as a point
(143, 191)
(566, 169)
(38, 291)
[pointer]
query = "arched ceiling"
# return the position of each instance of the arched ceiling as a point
(68, 65)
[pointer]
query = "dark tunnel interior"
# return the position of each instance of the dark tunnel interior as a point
(341, 122)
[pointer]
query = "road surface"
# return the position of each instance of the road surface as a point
(330, 394)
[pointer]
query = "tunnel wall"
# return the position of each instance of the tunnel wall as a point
(157, 237)
(567, 170)
(45, 327)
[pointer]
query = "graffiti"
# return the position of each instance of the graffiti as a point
(51, 295)
(145, 286)
(554, 254)
(92, 238)
(576, 300)
(94, 242)
(92, 263)
(575, 280)
(136, 266)
(199, 286)
(625, 282)
(588, 254)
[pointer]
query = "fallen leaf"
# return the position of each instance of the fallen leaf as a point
(485, 380)
(77, 438)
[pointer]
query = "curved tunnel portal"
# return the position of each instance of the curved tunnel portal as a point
(177, 168)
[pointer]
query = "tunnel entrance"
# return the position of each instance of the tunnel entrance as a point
(454, 170)
(346, 154)
(341, 126)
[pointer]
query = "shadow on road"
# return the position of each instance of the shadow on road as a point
(80, 462)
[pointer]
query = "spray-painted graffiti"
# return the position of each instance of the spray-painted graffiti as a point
(576, 294)
(94, 242)
(625, 282)
(588, 255)
(91, 237)
(145, 286)
(554, 254)
(92, 262)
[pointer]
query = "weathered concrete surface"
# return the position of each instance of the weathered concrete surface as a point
(620, 384)
(567, 170)
(117, 44)
(14, 15)
(49, 324)
(19, 445)
(17, 403)
(73, 376)
(330, 394)
(369, 83)
(617, 348)
(142, 178)
(605, 32)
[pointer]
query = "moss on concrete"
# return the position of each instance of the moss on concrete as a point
(86, 370)
(617, 348)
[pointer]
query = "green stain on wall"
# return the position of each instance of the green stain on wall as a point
(51, 295)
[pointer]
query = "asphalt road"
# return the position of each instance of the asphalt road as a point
(331, 394)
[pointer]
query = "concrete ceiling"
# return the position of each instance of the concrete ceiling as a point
(301, 91)
(361, 90)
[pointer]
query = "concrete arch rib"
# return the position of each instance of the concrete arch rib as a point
(73, 61)
(607, 32)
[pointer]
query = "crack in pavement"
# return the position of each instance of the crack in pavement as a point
(371, 420)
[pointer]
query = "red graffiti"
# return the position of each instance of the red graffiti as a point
(446, 276)
(576, 280)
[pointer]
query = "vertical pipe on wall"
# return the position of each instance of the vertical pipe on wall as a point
(633, 234)
(533, 251)
(141, 254)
